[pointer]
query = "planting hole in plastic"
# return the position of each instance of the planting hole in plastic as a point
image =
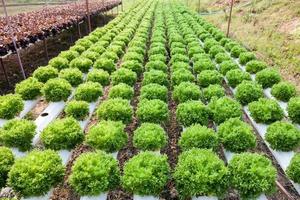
(44, 114)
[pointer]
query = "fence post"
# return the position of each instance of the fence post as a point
(229, 20)
(88, 15)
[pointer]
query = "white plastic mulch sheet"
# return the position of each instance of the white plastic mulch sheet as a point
(45, 197)
(205, 198)
(137, 197)
(102, 196)
(47, 116)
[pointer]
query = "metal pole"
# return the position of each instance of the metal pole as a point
(14, 41)
(88, 15)
(5, 73)
(122, 5)
(230, 15)
(199, 2)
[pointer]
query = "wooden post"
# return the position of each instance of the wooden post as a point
(88, 15)
(230, 15)
(14, 40)
(122, 5)
(4, 71)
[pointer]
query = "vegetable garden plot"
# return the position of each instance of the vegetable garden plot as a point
(146, 114)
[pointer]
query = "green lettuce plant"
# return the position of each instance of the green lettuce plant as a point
(62, 134)
(133, 56)
(88, 91)
(59, 63)
(134, 66)
(154, 91)
(18, 133)
(10, 106)
(245, 57)
(6, 161)
(179, 58)
(110, 55)
(192, 112)
(180, 65)
(236, 76)
(73, 75)
(92, 55)
(293, 170)
(94, 173)
(214, 50)
(99, 76)
(77, 109)
(200, 172)
(105, 64)
(80, 49)
(222, 57)
(149, 137)
(265, 111)
(255, 66)
(69, 55)
(156, 65)
(248, 91)
(182, 75)
(236, 135)
(121, 90)
(211, 91)
(146, 169)
(159, 57)
(252, 174)
(283, 91)
(43, 74)
(227, 65)
(155, 76)
(208, 77)
(40, 171)
(236, 51)
(225, 108)
(283, 136)
(294, 109)
(155, 111)
(115, 109)
(108, 136)
(197, 136)
(124, 75)
(81, 63)
(57, 89)
(29, 89)
(203, 64)
(268, 77)
(186, 91)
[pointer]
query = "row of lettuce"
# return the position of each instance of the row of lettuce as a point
(199, 170)
(281, 133)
